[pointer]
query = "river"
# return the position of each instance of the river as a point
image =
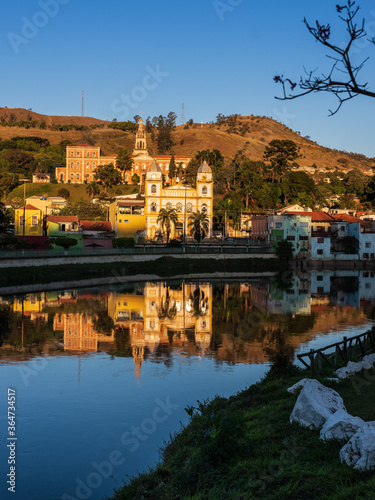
(102, 376)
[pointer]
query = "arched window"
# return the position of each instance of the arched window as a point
(204, 208)
(204, 190)
(71, 153)
(189, 207)
(153, 189)
(71, 164)
(61, 177)
(169, 206)
(88, 154)
(179, 207)
(77, 177)
(153, 207)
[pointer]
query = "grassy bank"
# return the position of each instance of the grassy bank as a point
(245, 448)
(164, 267)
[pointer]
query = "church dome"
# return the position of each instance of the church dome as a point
(204, 169)
(154, 167)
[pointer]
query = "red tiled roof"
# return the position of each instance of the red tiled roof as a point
(315, 216)
(131, 203)
(29, 207)
(82, 146)
(62, 218)
(96, 225)
(346, 218)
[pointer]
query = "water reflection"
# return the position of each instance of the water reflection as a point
(228, 322)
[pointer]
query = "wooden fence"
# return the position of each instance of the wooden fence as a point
(357, 347)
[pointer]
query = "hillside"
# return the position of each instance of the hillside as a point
(259, 131)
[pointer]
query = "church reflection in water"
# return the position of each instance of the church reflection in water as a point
(230, 322)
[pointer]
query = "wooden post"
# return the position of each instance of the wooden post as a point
(312, 362)
(345, 349)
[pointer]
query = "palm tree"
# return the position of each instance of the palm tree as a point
(167, 216)
(199, 225)
(92, 189)
(124, 162)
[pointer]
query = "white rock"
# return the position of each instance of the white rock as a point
(367, 362)
(341, 425)
(359, 453)
(301, 384)
(315, 405)
(371, 357)
(350, 369)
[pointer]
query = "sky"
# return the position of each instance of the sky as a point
(213, 56)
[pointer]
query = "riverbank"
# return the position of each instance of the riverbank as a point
(164, 267)
(245, 448)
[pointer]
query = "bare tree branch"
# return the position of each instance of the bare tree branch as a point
(344, 87)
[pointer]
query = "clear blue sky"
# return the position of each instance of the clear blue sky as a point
(212, 61)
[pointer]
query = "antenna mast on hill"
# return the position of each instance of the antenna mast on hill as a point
(183, 115)
(83, 103)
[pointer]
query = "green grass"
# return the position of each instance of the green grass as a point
(245, 448)
(77, 191)
(163, 267)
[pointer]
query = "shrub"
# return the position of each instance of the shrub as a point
(65, 242)
(174, 244)
(123, 243)
(64, 193)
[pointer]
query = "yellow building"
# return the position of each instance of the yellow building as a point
(28, 221)
(127, 216)
(186, 200)
(47, 204)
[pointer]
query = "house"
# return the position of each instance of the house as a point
(47, 204)
(28, 221)
(59, 226)
(97, 234)
(127, 217)
(39, 178)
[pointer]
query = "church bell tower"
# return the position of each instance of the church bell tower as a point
(140, 140)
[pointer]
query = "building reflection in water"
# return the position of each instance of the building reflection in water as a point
(232, 322)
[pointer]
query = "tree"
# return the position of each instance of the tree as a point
(199, 225)
(65, 242)
(5, 218)
(342, 78)
(135, 179)
(167, 217)
(85, 210)
(284, 250)
(92, 189)
(280, 153)
(107, 175)
(64, 193)
(172, 169)
(124, 161)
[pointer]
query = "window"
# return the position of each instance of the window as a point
(319, 252)
(367, 285)
(304, 224)
(204, 190)
(153, 189)
(189, 207)
(71, 153)
(88, 154)
(304, 238)
(153, 207)
(169, 206)
(138, 211)
(87, 176)
(71, 164)
(278, 238)
(204, 207)
(78, 154)
(319, 278)
(87, 166)
(368, 244)
(94, 165)
(78, 166)
(21, 220)
(320, 240)
(342, 228)
(71, 177)
(365, 255)
(93, 154)
(320, 289)
(179, 207)
(34, 220)
(278, 225)
(290, 238)
(78, 177)
(125, 210)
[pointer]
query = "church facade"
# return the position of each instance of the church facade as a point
(186, 200)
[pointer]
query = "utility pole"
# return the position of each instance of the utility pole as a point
(24, 207)
(185, 221)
